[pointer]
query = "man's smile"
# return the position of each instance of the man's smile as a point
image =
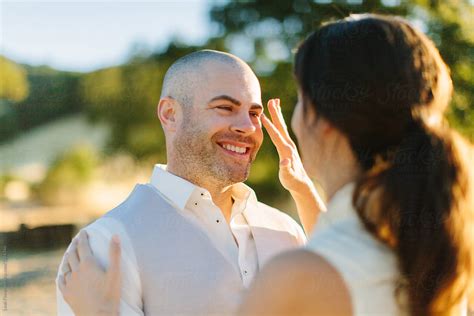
(235, 149)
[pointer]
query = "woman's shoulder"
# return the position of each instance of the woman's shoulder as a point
(341, 238)
(348, 243)
(321, 289)
(367, 266)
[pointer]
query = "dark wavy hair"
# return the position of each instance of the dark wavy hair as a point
(383, 84)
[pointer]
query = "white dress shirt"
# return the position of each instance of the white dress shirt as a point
(195, 203)
(234, 240)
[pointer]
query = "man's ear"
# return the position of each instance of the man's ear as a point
(168, 112)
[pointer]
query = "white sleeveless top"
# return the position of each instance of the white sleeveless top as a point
(368, 267)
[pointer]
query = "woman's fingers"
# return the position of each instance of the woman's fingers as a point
(65, 266)
(283, 149)
(285, 165)
(114, 254)
(286, 134)
(72, 257)
(113, 273)
(83, 247)
(278, 120)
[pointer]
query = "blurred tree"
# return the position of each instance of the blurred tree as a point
(68, 175)
(13, 88)
(8, 120)
(13, 82)
(125, 98)
(272, 30)
(450, 23)
(52, 94)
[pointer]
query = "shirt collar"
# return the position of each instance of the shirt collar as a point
(174, 188)
(179, 190)
(244, 197)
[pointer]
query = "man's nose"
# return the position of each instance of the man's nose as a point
(243, 125)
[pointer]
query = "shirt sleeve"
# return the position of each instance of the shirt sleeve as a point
(100, 233)
(295, 229)
(300, 235)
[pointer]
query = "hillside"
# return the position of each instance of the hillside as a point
(29, 154)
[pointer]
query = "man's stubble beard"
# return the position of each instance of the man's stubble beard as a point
(201, 163)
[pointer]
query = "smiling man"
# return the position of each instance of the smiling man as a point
(195, 236)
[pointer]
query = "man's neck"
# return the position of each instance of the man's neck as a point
(222, 197)
(221, 194)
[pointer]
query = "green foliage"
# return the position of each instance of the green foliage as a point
(265, 23)
(13, 88)
(450, 24)
(69, 173)
(13, 82)
(8, 120)
(4, 179)
(53, 94)
(126, 98)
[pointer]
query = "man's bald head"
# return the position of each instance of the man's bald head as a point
(210, 99)
(191, 72)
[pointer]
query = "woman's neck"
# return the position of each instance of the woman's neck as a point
(336, 175)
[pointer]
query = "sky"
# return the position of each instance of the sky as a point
(87, 35)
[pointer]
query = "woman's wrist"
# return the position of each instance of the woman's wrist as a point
(309, 197)
(305, 190)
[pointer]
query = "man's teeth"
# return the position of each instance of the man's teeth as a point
(239, 150)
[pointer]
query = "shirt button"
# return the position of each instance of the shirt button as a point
(217, 221)
(195, 204)
(202, 194)
(245, 271)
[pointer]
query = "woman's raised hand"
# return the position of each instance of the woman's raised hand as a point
(292, 174)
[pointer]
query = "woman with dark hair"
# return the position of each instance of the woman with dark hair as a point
(397, 237)
(399, 231)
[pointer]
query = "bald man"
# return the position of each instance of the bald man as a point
(194, 237)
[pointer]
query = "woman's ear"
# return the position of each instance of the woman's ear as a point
(324, 126)
(167, 112)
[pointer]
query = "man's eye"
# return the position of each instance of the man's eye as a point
(223, 107)
(255, 114)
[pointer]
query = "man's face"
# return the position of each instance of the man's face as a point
(221, 133)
